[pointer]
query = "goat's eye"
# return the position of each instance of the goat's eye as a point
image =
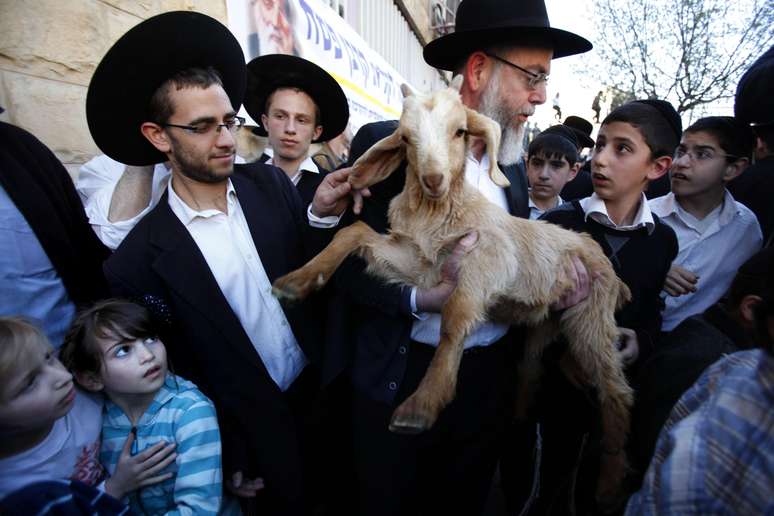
(460, 132)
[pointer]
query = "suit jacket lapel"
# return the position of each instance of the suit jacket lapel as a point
(516, 194)
(185, 271)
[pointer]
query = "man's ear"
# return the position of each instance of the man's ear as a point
(156, 135)
(747, 308)
(317, 132)
(660, 167)
(574, 171)
(475, 75)
(90, 381)
(735, 169)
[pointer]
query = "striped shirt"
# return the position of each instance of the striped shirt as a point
(715, 454)
(179, 413)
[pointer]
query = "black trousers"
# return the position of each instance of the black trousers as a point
(448, 469)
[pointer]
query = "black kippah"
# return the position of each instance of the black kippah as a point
(668, 112)
(563, 131)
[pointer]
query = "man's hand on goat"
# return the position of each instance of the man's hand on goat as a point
(431, 300)
(333, 195)
(628, 346)
(582, 289)
(680, 281)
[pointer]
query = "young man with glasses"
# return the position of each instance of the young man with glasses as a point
(715, 233)
(203, 259)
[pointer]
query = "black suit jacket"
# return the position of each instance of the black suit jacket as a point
(160, 263)
(381, 313)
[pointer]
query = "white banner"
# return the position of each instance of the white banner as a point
(310, 29)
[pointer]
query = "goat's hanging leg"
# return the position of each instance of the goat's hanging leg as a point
(298, 284)
(436, 390)
(591, 335)
(530, 368)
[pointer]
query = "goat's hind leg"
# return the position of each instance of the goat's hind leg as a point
(436, 390)
(298, 284)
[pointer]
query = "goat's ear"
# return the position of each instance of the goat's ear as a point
(486, 128)
(456, 83)
(378, 162)
(406, 90)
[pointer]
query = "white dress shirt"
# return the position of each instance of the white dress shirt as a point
(536, 212)
(427, 327)
(97, 180)
(308, 165)
(596, 209)
(713, 249)
(225, 242)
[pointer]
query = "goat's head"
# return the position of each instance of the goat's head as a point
(433, 135)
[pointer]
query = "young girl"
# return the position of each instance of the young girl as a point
(49, 429)
(113, 348)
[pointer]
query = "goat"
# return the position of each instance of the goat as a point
(513, 274)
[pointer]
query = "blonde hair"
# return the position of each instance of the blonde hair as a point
(20, 343)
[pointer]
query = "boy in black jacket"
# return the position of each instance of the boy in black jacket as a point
(634, 147)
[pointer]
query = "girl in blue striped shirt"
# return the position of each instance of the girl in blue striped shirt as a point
(113, 348)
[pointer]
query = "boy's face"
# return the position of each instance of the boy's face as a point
(132, 367)
(548, 175)
(701, 166)
(36, 394)
(621, 164)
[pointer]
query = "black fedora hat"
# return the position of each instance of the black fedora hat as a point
(267, 73)
(480, 23)
(139, 62)
(582, 128)
(754, 102)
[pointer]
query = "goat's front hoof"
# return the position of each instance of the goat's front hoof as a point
(412, 417)
(296, 286)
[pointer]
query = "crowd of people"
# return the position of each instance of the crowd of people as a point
(146, 367)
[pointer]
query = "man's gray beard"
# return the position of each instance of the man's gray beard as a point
(512, 139)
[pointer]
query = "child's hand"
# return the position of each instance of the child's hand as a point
(134, 472)
(628, 346)
(243, 487)
(680, 281)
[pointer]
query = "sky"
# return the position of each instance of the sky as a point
(576, 90)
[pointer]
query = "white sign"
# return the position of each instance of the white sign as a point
(310, 29)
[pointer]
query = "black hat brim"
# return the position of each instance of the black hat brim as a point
(143, 59)
(267, 73)
(447, 52)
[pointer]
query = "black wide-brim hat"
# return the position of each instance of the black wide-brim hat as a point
(481, 23)
(582, 128)
(267, 73)
(754, 102)
(141, 61)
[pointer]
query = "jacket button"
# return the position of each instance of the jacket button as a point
(402, 350)
(393, 386)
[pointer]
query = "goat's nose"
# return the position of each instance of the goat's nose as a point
(433, 181)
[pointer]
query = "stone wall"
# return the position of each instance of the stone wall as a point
(48, 52)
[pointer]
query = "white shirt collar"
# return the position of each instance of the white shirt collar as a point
(308, 165)
(668, 205)
(532, 204)
(186, 214)
(595, 208)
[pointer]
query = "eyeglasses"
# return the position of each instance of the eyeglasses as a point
(700, 154)
(233, 125)
(535, 79)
